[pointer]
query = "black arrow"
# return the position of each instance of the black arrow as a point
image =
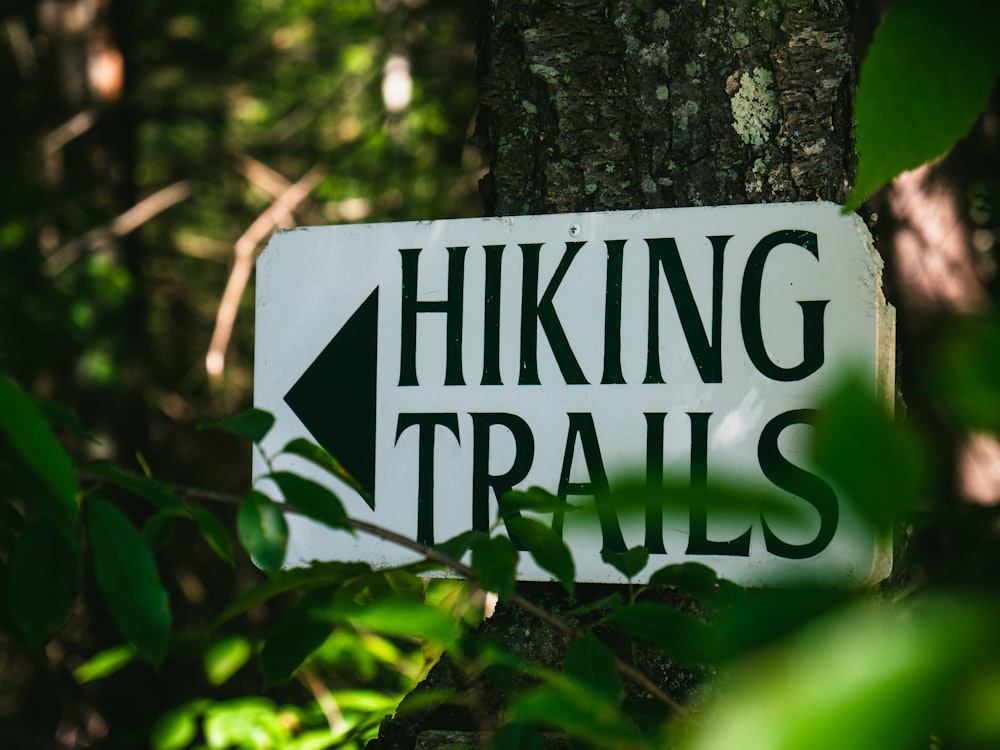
(335, 397)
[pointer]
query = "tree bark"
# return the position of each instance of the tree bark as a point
(630, 104)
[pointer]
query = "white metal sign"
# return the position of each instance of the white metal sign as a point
(445, 362)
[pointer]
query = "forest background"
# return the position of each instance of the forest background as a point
(152, 148)
(146, 145)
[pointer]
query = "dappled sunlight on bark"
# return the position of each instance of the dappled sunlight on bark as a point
(931, 248)
(979, 469)
(937, 234)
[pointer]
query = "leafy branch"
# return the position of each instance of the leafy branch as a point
(437, 556)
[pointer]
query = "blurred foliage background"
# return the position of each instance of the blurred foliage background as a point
(145, 139)
(146, 145)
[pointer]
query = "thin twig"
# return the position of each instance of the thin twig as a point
(262, 176)
(195, 493)
(149, 207)
(123, 224)
(244, 251)
(429, 553)
(20, 45)
(324, 699)
(74, 127)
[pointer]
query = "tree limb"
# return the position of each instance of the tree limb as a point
(124, 223)
(245, 254)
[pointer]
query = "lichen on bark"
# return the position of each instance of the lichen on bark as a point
(755, 107)
(642, 105)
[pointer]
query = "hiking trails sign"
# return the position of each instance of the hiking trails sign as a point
(446, 362)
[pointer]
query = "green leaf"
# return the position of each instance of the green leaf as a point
(457, 546)
(301, 631)
(633, 499)
(546, 547)
(591, 664)
(104, 663)
(312, 500)
(46, 461)
(700, 582)
(252, 424)
(977, 720)
(395, 616)
(214, 533)
(60, 417)
(927, 76)
(766, 616)
(536, 499)
(297, 579)
(263, 531)
(44, 576)
(158, 531)
(879, 464)
(682, 637)
(964, 372)
(495, 563)
(579, 712)
(611, 601)
(246, 723)
(864, 677)
(174, 730)
(629, 563)
(315, 454)
(225, 657)
(210, 528)
(692, 578)
(370, 701)
(324, 739)
(127, 577)
(320, 457)
(394, 582)
(146, 488)
(516, 736)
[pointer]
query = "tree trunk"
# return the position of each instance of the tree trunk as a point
(591, 105)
